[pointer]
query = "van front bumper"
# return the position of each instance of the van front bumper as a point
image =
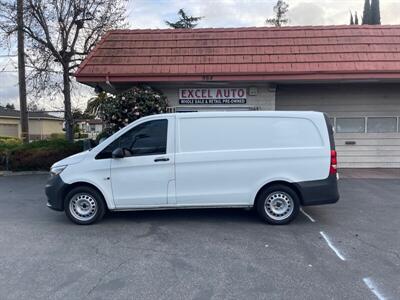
(318, 192)
(54, 189)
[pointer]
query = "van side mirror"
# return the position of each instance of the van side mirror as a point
(118, 153)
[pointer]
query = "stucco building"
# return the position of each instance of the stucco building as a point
(91, 127)
(350, 72)
(41, 124)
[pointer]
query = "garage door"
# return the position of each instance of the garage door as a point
(366, 119)
(368, 142)
(9, 130)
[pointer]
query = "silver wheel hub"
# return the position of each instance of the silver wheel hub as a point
(83, 207)
(278, 206)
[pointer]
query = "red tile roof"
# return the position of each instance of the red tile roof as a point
(257, 53)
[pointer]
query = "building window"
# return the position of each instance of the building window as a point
(379, 125)
(350, 125)
(92, 128)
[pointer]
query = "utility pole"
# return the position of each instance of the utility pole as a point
(21, 73)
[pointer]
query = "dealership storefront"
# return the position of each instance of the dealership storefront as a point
(219, 98)
(366, 131)
(352, 73)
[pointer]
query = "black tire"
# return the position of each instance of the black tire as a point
(92, 205)
(288, 200)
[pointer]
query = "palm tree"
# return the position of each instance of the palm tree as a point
(96, 104)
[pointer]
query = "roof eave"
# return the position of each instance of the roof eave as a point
(32, 118)
(92, 79)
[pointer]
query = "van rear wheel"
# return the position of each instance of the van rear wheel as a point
(84, 205)
(278, 204)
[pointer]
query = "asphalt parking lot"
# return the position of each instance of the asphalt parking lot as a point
(350, 251)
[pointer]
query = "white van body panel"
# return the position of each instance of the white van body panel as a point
(73, 159)
(224, 159)
(215, 159)
(139, 180)
(128, 182)
(94, 172)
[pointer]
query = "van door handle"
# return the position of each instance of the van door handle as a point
(161, 159)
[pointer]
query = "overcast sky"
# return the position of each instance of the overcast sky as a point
(219, 13)
(236, 13)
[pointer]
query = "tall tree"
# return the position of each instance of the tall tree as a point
(21, 72)
(351, 19)
(33, 107)
(59, 34)
(185, 21)
(80, 115)
(375, 12)
(280, 9)
(366, 19)
(10, 106)
(356, 22)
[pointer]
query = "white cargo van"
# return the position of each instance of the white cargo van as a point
(274, 161)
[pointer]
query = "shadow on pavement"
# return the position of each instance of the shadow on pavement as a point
(210, 216)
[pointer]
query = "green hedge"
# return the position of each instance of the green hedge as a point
(38, 155)
(57, 136)
(81, 135)
(9, 142)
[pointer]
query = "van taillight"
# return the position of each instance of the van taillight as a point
(333, 167)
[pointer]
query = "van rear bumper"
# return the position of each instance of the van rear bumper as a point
(318, 192)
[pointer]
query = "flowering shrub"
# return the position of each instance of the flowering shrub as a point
(117, 111)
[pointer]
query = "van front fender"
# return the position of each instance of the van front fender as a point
(107, 193)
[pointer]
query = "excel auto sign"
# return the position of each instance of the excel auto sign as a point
(212, 96)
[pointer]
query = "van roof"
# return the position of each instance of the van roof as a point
(272, 113)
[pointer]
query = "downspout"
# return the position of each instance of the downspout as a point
(109, 83)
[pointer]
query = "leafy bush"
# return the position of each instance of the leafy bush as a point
(9, 143)
(40, 155)
(80, 135)
(57, 136)
(106, 133)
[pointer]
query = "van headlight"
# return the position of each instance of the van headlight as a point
(57, 170)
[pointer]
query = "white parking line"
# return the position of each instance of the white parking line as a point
(307, 215)
(328, 241)
(371, 285)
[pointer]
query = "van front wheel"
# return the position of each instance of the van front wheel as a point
(278, 204)
(84, 205)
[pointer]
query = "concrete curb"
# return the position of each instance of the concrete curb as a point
(10, 173)
(369, 173)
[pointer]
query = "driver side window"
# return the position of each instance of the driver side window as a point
(149, 138)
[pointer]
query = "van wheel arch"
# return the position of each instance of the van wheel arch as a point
(279, 182)
(81, 184)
